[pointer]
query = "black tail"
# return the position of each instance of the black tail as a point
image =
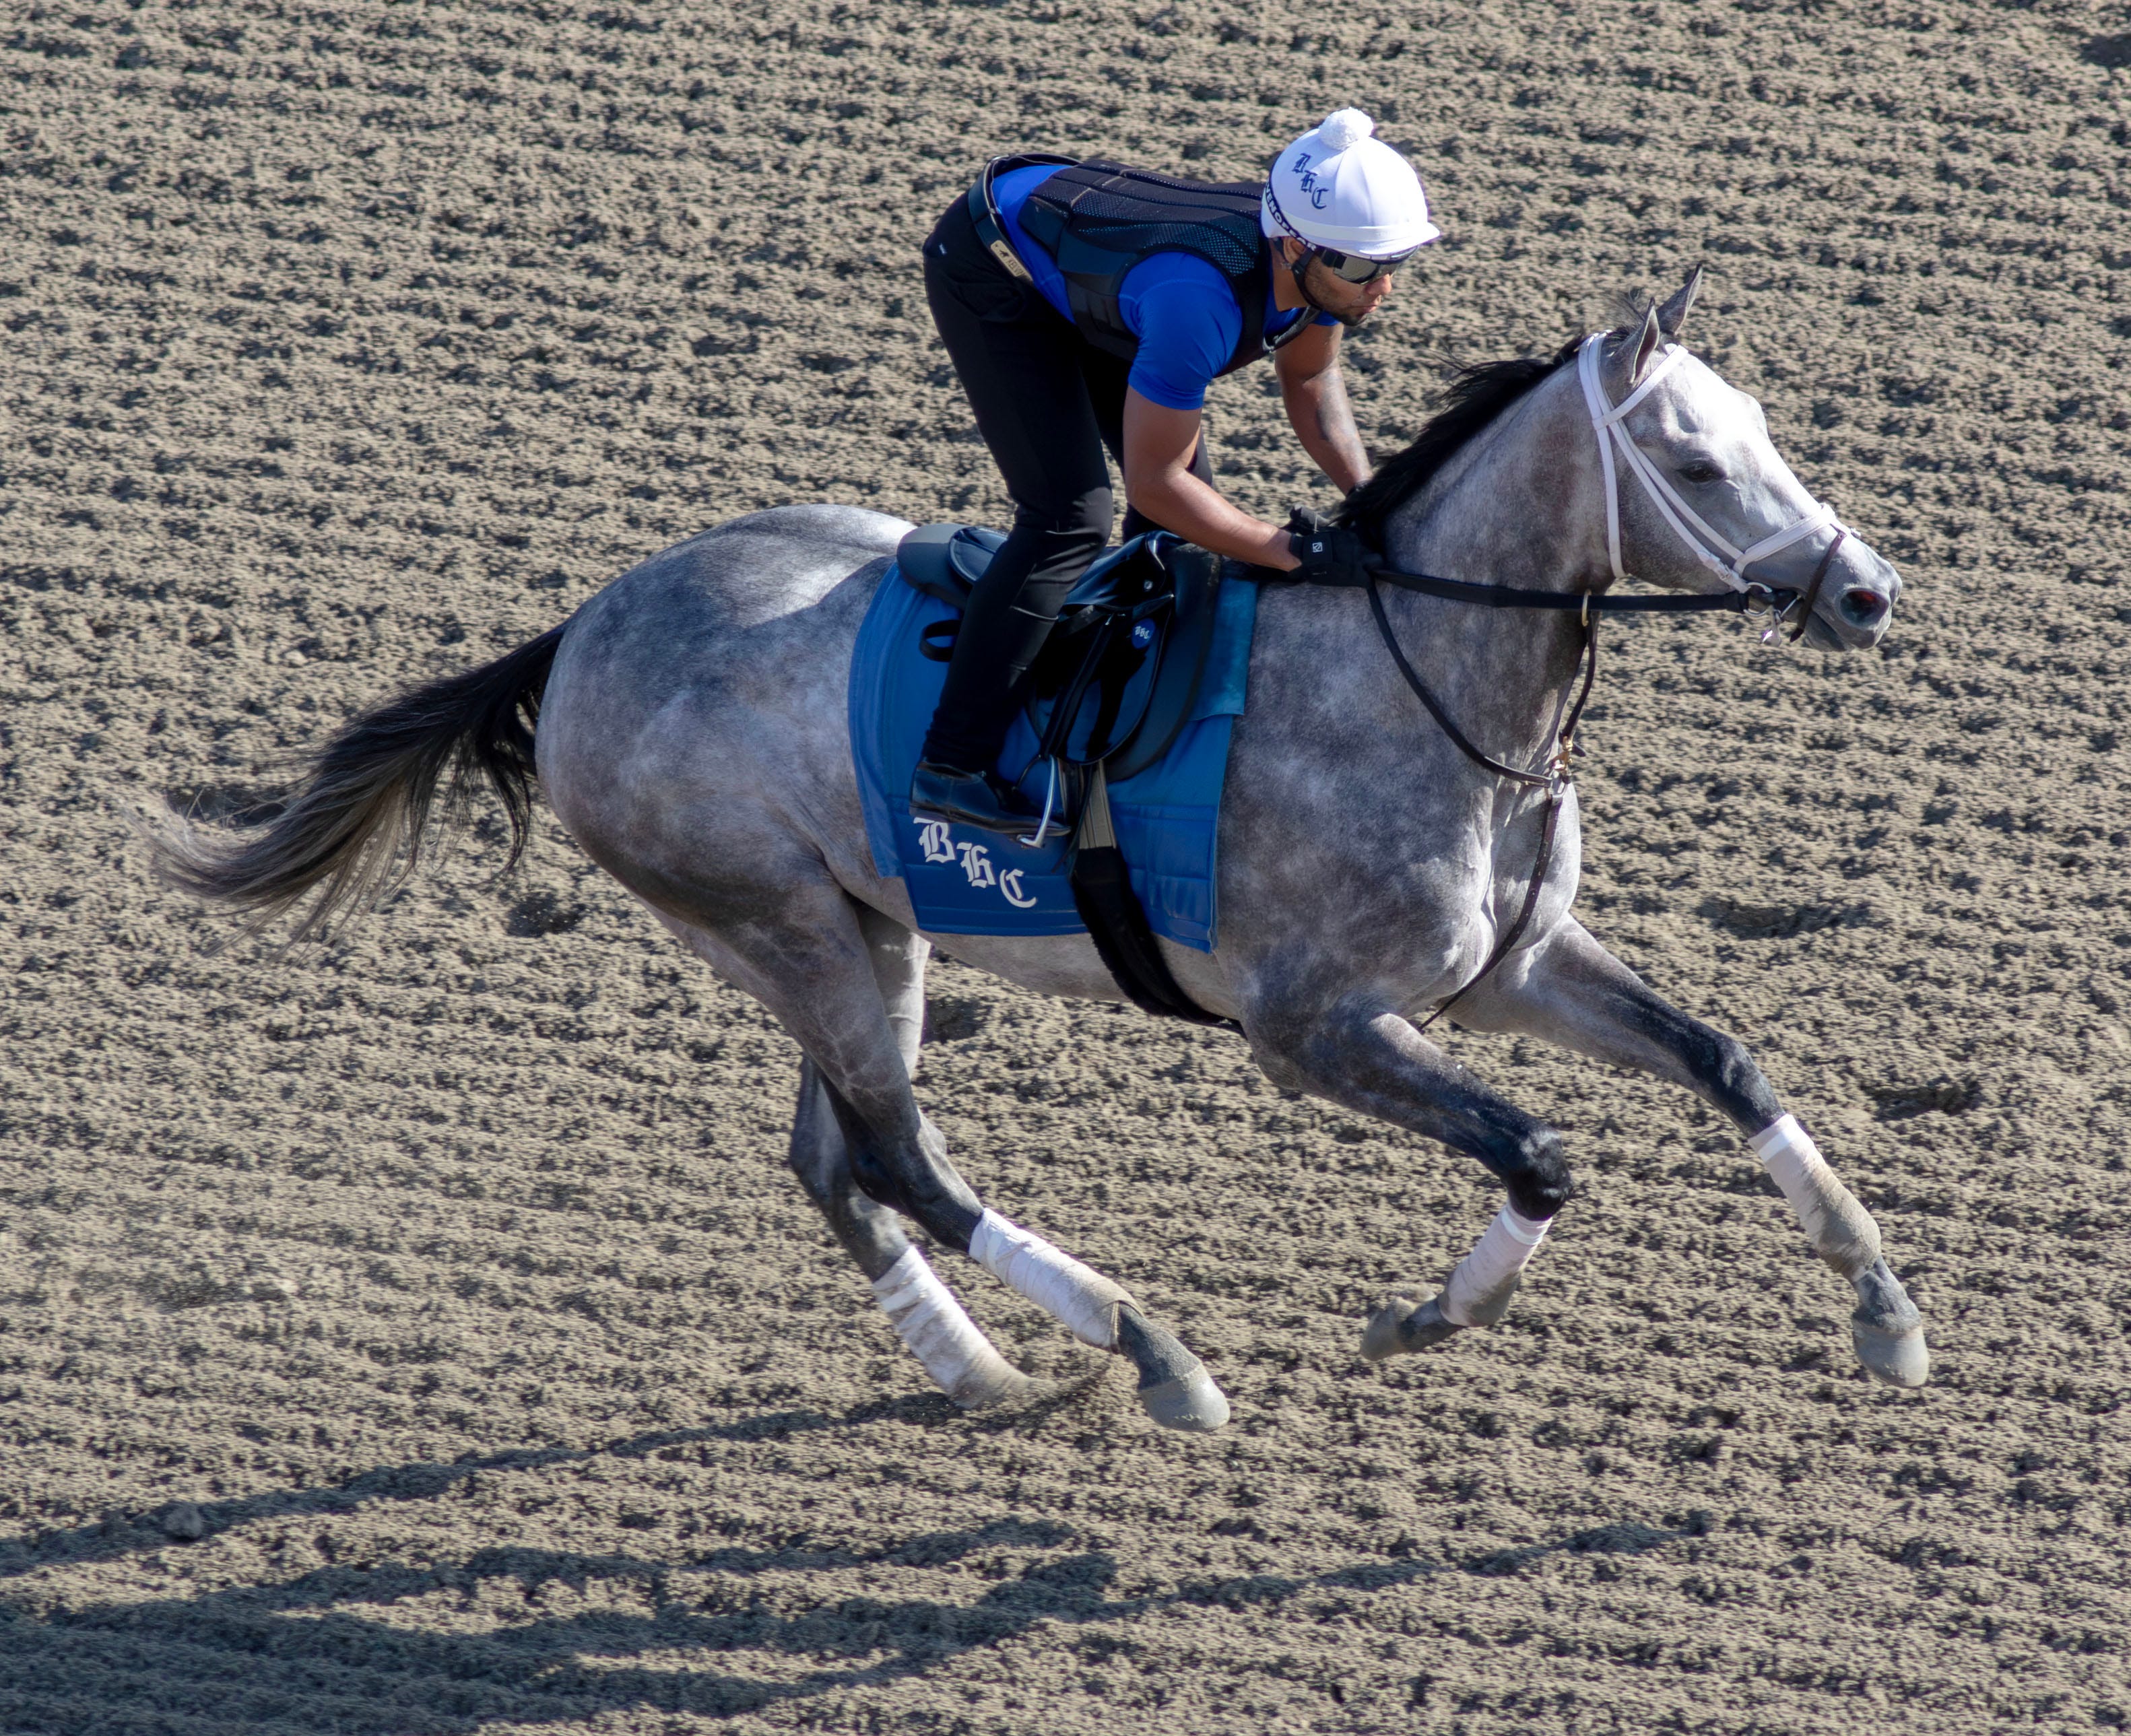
(352, 833)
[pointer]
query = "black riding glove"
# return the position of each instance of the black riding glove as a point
(1330, 554)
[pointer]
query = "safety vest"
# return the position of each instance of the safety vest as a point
(1097, 220)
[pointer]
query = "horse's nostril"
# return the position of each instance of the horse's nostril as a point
(1863, 606)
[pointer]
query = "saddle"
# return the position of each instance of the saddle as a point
(1116, 680)
(1113, 685)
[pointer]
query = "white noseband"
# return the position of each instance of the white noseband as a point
(1712, 550)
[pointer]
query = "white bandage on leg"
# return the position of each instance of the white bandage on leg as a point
(1055, 1282)
(934, 1329)
(1479, 1291)
(1841, 1231)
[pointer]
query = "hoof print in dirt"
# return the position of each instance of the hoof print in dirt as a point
(185, 1522)
(1942, 1096)
(952, 1021)
(540, 914)
(1066, 1366)
(1774, 921)
(1016, 1391)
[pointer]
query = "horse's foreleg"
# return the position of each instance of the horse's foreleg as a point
(1569, 990)
(1373, 1061)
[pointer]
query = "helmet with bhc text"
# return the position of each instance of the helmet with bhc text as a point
(1348, 196)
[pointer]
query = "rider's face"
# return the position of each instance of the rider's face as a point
(1350, 303)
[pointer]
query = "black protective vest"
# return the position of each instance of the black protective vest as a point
(1097, 220)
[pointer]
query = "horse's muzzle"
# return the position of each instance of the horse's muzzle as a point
(1857, 605)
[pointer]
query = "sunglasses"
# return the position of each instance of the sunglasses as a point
(1356, 268)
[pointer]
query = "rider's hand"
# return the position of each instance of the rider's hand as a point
(1327, 554)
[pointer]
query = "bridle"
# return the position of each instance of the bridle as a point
(1776, 603)
(1742, 596)
(1709, 545)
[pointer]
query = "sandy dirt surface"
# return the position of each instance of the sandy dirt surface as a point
(420, 1335)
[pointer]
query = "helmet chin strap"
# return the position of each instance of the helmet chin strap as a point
(1299, 269)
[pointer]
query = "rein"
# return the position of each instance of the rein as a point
(1554, 780)
(1743, 596)
(1753, 598)
(1589, 606)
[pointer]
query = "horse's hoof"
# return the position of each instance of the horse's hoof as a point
(1380, 1337)
(1401, 1328)
(1174, 1384)
(1191, 1402)
(1887, 1329)
(1892, 1347)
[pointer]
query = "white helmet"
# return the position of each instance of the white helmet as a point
(1336, 187)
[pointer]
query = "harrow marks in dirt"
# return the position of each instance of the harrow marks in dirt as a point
(420, 1335)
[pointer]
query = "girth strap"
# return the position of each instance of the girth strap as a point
(1116, 922)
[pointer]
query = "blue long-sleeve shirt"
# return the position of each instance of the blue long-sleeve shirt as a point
(1182, 309)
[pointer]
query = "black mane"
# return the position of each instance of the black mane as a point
(1474, 397)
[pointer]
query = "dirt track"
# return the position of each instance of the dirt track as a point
(448, 1281)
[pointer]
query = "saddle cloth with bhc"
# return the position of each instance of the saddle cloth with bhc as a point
(1134, 701)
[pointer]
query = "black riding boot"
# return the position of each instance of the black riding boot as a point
(1009, 616)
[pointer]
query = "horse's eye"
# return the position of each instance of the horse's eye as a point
(1699, 472)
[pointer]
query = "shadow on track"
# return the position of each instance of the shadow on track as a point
(343, 1649)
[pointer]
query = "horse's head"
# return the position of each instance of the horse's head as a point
(1697, 492)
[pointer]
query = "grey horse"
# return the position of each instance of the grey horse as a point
(692, 735)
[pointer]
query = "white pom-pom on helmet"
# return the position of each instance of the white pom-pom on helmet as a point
(1339, 188)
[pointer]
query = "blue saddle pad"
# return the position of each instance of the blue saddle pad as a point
(965, 881)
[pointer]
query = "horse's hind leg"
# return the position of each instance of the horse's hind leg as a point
(1569, 990)
(927, 1318)
(924, 1312)
(810, 962)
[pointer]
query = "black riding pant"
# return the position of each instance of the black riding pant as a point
(1048, 404)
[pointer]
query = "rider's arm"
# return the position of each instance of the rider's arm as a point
(1316, 400)
(1159, 444)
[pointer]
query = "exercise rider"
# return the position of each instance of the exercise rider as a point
(1085, 306)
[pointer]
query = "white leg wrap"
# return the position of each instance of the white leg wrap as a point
(1055, 1282)
(1841, 1231)
(1479, 1291)
(934, 1329)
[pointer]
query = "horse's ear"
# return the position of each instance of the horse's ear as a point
(1672, 315)
(1643, 346)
